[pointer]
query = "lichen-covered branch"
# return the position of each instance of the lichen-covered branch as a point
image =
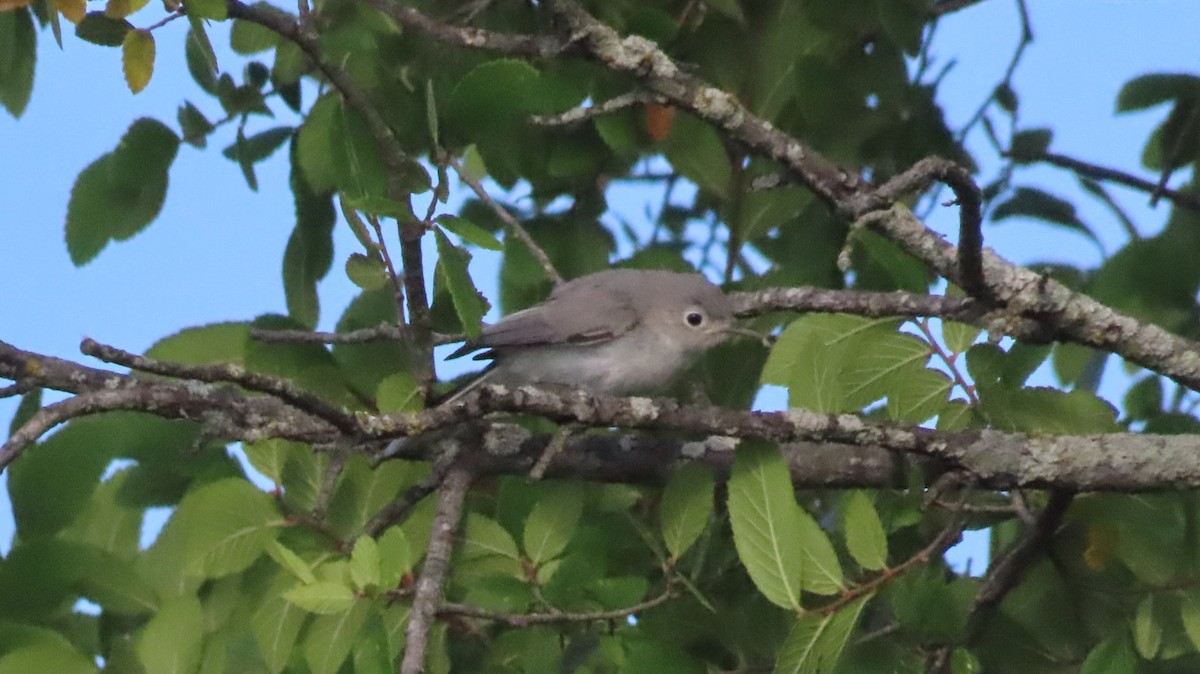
(1067, 315)
(825, 450)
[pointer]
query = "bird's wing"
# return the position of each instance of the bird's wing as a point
(583, 316)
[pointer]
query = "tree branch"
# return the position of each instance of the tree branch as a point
(282, 389)
(1177, 197)
(428, 595)
(1006, 573)
(399, 333)
(519, 620)
(1067, 315)
(530, 46)
(514, 225)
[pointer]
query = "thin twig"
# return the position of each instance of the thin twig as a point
(534, 46)
(513, 224)
(400, 508)
(1006, 573)
(372, 334)
(1177, 197)
(428, 595)
(52, 415)
(19, 388)
(581, 114)
(526, 619)
(230, 373)
(936, 548)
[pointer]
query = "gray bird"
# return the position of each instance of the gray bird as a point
(616, 332)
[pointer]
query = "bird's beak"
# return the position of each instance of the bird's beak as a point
(746, 332)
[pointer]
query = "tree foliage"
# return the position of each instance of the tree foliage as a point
(783, 148)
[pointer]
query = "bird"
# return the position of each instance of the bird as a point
(614, 332)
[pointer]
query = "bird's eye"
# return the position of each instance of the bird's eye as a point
(694, 318)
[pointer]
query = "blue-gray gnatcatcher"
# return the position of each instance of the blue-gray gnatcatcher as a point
(616, 332)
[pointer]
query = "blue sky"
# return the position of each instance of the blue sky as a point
(214, 252)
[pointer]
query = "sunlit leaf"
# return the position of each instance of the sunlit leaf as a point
(766, 523)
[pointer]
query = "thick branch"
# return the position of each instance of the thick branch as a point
(428, 595)
(1068, 315)
(828, 450)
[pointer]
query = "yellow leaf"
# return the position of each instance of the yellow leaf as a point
(137, 57)
(72, 10)
(6, 5)
(119, 9)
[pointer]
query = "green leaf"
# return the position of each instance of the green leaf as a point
(227, 525)
(767, 531)
(470, 232)
(194, 125)
(248, 38)
(1147, 632)
(105, 523)
(329, 638)
(117, 195)
(959, 336)
(1150, 90)
(821, 573)
(1145, 398)
(366, 271)
(552, 523)
(170, 643)
(1189, 612)
(370, 654)
(840, 363)
(488, 538)
(687, 503)
(98, 28)
(270, 456)
(695, 149)
(399, 392)
(493, 95)
(207, 9)
(260, 146)
(137, 59)
(276, 625)
(19, 40)
(364, 563)
(916, 393)
(30, 403)
(363, 491)
(1111, 656)
(452, 267)
(292, 562)
(203, 344)
(396, 557)
(815, 642)
(309, 253)
(322, 597)
(1030, 144)
(110, 582)
(201, 59)
(46, 658)
(865, 538)
(51, 484)
(1035, 203)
